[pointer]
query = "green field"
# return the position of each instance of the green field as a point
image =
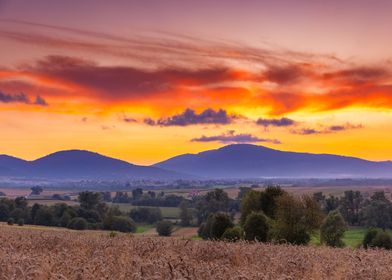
(167, 212)
(352, 237)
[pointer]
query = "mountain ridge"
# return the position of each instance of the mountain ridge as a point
(252, 161)
(80, 165)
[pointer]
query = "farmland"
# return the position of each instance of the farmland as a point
(64, 254)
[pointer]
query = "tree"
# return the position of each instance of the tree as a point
(213, 202)
(4, 212)
(232, 234)
(382, 240)
(250, 203)
(10, 221)
(378, 213)
(137, 193)
(122, 224)
(242, 192)
(369, 236)
(44, 216)
(164, 228)
(20, 222)
(265, 201)
(146, 215)
(89, 200)
(331, 203)
(221, 222)
(350, 206)
(37, 190)
(256, 227)
(185, 214)
(332, 229)
(268, 200)
(78, 224)
(293, 223)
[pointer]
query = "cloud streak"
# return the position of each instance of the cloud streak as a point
(326, 130)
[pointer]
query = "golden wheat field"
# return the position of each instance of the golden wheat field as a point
(55, 254)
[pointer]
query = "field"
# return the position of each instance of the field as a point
(353, 237)
(63, 254)
(167, 212)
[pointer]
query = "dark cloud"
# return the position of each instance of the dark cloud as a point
(128, 119)
(126, 82)
(231, 137)
(276, 122)
(107, 127)
(149, 121)
(11, 98)
(190, 117)
(284, 75)
(21, 98)
(326, 130)
(359, 74)
(40, 101)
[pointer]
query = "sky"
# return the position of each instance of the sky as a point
(147, 80)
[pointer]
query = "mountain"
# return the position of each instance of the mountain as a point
(251, 161)
(80, 165)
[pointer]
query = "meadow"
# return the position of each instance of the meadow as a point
(64, 254)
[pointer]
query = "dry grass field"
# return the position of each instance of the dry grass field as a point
(38, 254)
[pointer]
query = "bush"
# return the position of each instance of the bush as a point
(10, 221)
(146, 215)
(20, 222)
(164, 228)
(123, 224)
(382, 240)
(256, 227)
(369, 236)
(232, 234)
(332, 229)
(220, 223)
(78, 224)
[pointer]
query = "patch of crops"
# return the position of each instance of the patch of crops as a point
(38, 254)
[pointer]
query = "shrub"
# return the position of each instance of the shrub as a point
(112, 234)
(332, 229)
(78, 224)
(256, 227)
(220, 223)
(20, 222)
(382, 240)
(232, 234)
(164, 228)
(123, 224)
(10, 221)
(146, 215)
(369, 236)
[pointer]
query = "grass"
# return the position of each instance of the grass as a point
(167, 212)
(143, 228)
(352, 237)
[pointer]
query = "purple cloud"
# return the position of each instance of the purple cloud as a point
(231, 137)
(190, 117)
(276, 122)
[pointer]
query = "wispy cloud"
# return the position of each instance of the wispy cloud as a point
(326, 130)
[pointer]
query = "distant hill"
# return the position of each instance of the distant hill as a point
(80, 165)
(251, 161)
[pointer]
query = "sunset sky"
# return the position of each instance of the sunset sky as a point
(147, 80)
